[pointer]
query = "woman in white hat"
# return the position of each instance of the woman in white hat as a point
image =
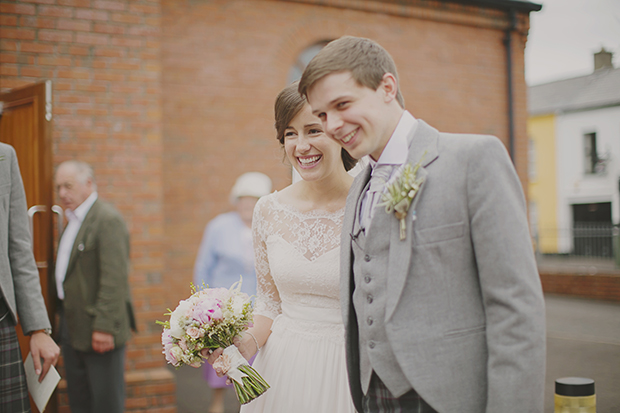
(226, 253)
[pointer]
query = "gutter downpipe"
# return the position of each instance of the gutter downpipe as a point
(508, 44)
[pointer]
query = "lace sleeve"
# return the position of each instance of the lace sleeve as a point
(268, 301)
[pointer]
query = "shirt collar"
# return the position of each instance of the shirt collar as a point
(397, 148)
(80, 212)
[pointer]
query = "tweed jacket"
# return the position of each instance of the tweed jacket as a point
(465, 310)
(19, 277)
(96, 285)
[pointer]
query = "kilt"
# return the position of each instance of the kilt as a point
(13, 387)
(380, 400)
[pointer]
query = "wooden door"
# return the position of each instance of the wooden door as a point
(25, 124)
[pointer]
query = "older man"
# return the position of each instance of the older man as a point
(20, 292)
(92, 286)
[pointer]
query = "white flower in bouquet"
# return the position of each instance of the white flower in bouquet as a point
(178, 318)
(211, 318)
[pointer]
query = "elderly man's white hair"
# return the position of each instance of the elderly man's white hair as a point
(83, 169)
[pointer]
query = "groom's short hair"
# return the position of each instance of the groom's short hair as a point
(365, 59)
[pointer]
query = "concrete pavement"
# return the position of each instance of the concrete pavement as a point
(583, 339)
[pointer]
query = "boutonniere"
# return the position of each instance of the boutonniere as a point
(401, 192)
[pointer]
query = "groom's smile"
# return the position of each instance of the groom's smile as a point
(347, 138)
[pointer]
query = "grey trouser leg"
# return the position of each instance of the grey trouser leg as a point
(95, 382)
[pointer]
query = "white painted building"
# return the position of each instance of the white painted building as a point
(586, 120)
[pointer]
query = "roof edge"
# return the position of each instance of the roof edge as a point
(504, 5)
(519, 5)
(572, 109)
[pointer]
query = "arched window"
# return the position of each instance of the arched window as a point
(303, 59)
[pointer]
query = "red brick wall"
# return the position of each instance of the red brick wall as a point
(225, 61)
(171, 100)
(104, 59)
(599, 286)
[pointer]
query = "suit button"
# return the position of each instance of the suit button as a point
(367, 258)
(369, 321)
(367, 279)
(371, 344)
(369, 298)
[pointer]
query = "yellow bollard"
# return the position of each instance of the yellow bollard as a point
(575, 395)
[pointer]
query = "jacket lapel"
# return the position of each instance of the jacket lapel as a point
(80, 238)
(423, 146)
(348, 225)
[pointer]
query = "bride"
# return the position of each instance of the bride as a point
(297, 320)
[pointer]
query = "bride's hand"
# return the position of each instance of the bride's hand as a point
(246, 344)
(211, 355)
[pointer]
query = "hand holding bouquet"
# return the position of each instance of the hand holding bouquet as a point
(211, 318)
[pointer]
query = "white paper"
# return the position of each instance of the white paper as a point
(40, 392)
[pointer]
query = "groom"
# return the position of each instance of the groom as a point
(441, 299)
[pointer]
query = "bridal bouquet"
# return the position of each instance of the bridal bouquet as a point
(210, 318)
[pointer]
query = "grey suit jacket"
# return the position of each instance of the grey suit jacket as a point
(465, 316)
(19, 277)
(96, 285)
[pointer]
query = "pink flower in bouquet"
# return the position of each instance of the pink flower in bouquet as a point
(176, 354)
(223, 363)
(166, 338)
(170, 357)
(168, 344)
(217, 314)
(194, 332)
(183, 344)
(206, 310)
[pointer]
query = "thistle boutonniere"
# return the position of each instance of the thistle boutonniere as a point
(401, 192)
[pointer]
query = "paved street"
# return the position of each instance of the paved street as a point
(193, 393)
(583, 339)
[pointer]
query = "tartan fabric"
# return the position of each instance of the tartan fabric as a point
(380, 400)
(13, 387)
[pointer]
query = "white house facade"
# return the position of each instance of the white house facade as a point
(584, 179)
(586, 121)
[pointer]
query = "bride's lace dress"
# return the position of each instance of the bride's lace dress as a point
(297, 269)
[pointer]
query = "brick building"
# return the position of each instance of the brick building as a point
(171, 100)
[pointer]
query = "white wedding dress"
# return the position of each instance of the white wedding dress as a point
(297, 269)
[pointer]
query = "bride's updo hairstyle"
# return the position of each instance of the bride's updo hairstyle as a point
(288, 104)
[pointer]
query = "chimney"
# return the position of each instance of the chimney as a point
(602, 60)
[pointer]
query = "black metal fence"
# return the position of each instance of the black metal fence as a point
(593, 240)
(584, 239)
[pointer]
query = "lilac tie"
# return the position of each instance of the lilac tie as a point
(380, 175)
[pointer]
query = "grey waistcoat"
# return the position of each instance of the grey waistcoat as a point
(369, 299)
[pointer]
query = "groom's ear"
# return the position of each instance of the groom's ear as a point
(389, 87)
